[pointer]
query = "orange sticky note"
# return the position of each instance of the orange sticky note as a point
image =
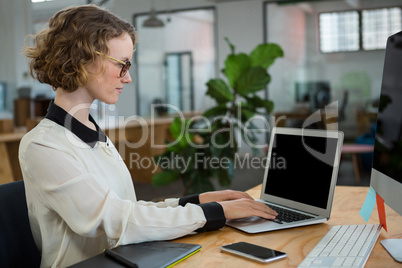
(381, 211)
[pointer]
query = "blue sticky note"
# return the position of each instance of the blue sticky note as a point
(368, 205)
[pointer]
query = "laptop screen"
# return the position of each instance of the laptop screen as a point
(297, 173)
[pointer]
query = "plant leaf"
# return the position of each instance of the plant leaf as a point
(164, 178)
(181, 136)
(235, 66)
(176, 127)
(221, 109)
(252, 80)
(265, 54)
(232, 47)
(246, 115)
(257, 102)
(245, 112)
(218, 90)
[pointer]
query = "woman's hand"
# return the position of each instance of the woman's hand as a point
(225, 195)
(241, 208)
(238, 204)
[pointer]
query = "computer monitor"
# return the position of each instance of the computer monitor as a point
(316, 93)
(386, 174)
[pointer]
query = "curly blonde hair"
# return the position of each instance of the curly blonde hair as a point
(62, 52)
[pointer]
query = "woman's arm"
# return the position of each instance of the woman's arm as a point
(90, 208)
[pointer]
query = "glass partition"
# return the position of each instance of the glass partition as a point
(173, 62)
(326, 55)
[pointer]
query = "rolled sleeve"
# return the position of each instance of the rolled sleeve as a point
(193, 199)
(215, 217)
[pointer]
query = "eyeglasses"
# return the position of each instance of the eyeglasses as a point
(125, 64)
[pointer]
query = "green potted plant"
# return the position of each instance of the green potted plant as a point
(204, 148)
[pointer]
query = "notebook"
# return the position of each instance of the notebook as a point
(156, 254)
(300, 177)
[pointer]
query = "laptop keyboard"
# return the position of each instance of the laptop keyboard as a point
(285, 215)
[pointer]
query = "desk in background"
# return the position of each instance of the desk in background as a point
(364, 119)
(327, 118)
(9, 143)
(126, 139)
(296, 242)
(281, 117)
(9, 164)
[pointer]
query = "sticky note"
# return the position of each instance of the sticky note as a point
(381, 212)
(368, 205)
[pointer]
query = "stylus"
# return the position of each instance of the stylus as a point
(117, 257)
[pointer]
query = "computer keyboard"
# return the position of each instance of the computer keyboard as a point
(344, 246)
(285, 215)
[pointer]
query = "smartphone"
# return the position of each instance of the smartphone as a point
(254, 252)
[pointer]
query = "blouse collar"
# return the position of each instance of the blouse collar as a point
(87, 135)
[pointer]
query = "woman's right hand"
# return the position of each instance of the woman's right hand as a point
(242, 208)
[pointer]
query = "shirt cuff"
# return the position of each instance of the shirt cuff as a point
(215, 217)
(193, 199)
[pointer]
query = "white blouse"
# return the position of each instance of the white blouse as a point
(81, 198)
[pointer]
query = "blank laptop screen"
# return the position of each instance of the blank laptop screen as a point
(298, 175)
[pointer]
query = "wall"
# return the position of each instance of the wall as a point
(187, 31)
(240, 21)
(15, 21)
(291, 36)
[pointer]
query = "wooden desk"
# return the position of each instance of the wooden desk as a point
(328, 117)
(9, 164)
(281, 116)
(296, 242)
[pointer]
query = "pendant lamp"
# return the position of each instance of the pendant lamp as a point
(152, 20)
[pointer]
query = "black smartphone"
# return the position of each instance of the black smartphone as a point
(254, 252)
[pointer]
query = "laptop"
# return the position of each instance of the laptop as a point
(299, 181)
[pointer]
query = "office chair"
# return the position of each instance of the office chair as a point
(17, 247)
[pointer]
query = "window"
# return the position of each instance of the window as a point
(339, 31)
(378, 24)
(358, 30)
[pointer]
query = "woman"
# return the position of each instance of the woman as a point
(79, 192)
